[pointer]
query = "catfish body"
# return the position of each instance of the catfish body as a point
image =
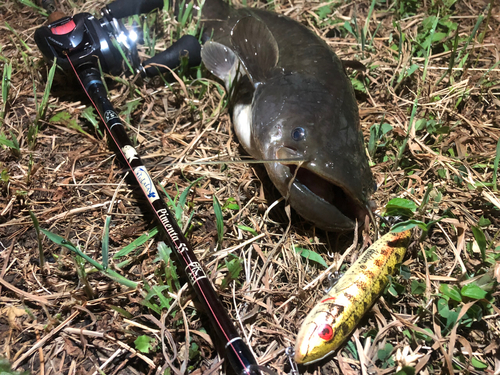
(292, 100)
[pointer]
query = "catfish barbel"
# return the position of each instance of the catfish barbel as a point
(333, 319)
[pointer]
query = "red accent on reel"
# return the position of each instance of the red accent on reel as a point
(64, 28)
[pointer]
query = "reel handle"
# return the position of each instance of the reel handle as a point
(188, 46)
(125, 8)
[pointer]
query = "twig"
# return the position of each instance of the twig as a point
(77, 211)
(40, 354)
(458, 258)
(223, 253)
(26, 295)
(6, 256)
(113, 356)
(42, 342)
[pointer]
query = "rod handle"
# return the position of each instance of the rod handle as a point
(188, 46)
(126, 8)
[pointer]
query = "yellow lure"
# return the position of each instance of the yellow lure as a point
(332, 320)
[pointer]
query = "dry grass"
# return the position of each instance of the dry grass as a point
(70, 180)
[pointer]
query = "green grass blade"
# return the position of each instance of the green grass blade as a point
(451, 63)
(13, 143)
(7, 73)
(120, 279)
(21, 40)
(410, 125)
(415, 103)
(481, 240)
(124, 263)
(36, 225)
(234, 268)
(472, 35)
(425, 199)
(171, 203)
(495, 166)
(428, 51)
(124, 56)
(182, 200)
(82, 275)
(164, 301)
(219, 220)
(401, 42)
(45, 99)
(42, 109)
(105, 243)
(494, 66)
(186, 13)
(68, 245)
(89, 115)
(248, 229)
(170, 269)
(310, 255)
(367, 23)
(35, 7)
(480, 38)
(136, 243)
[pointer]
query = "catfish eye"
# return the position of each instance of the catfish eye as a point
(325, 332)
(298, 134)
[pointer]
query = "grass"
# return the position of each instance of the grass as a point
(41, 109)
(429, 109)
(102, 267)
(7, 73)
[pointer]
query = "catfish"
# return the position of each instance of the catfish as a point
(294, 107)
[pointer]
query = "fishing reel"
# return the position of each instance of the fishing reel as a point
(83, 39)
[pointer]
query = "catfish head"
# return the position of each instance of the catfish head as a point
(296, 117)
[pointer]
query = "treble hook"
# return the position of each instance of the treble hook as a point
(290, 353)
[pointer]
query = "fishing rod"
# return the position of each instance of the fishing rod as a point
(83, 43)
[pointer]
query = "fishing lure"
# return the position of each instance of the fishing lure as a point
(332, 320)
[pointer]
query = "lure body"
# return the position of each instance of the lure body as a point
(332, 320)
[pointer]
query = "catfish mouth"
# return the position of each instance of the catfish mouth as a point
(328, 191)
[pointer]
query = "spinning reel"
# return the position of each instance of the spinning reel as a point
(84, 39)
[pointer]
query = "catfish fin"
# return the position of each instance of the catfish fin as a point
(256, 48)
(220, 61)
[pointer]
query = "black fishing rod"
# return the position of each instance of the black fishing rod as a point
(239, 355)
(81, 42)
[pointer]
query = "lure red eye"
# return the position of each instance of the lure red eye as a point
(325, 332)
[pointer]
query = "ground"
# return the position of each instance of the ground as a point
(429, 103)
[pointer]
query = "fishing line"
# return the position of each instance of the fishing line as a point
(249, 161)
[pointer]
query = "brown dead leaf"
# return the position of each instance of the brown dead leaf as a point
(71, 349)
(12, 312)
(345, 366)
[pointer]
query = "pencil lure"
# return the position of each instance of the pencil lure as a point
(332, 320)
